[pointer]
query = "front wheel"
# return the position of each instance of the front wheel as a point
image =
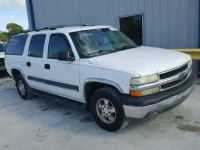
(106, 109)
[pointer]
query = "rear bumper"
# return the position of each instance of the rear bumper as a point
(150, 110)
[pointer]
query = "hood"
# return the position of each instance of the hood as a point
(2, 54)
(142, 60)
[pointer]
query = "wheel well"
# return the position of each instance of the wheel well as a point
(15, 73)
(90, 88)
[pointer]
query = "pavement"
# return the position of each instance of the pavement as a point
(47, 124)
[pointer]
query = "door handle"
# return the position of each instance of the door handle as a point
(28, 64)
(47, 66)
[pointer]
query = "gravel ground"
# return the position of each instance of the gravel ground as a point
(44, 124)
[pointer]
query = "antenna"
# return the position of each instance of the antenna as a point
(80, 19)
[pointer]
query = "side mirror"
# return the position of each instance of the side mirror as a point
(65, 56)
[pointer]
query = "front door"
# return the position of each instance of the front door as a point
(62, 77)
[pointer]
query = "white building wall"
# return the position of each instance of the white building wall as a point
(167, 23)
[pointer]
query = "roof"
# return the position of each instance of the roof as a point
(68, 29)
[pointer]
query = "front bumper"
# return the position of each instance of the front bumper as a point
(148, 111)
(144, 107)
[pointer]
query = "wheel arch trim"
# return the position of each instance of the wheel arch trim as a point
(105, 81)
(100, 80)
(19, 69)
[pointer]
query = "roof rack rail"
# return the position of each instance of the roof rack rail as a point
(58, 26)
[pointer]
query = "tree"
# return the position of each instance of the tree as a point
(14, 29)
(4, 37)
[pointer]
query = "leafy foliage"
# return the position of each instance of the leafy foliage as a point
(4, 37)
(13, 29)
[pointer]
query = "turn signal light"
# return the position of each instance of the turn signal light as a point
(138, 93)
(145, 92)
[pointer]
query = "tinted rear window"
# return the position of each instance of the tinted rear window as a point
(16, 45)
(2, 49)
(37, 46)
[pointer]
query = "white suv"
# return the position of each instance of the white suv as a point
(100, 66)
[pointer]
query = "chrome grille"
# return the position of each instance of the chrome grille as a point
(174, 83)
(173, 72)
(181, 72)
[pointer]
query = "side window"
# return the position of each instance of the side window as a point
(58, 43)
(16, 45)
(37, 46)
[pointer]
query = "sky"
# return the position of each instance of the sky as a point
(13, 11)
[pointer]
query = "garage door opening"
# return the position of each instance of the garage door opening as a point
(132, 27)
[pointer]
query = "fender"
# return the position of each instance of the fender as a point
(90, 80)
(99, 80)
(19, 69)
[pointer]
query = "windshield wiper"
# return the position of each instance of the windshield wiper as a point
(126, 47)
(101, 52)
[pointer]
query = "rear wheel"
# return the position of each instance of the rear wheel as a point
(22, 87)
(106, 108)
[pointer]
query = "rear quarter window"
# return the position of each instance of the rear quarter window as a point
(16, 45)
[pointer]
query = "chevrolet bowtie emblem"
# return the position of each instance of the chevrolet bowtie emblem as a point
(181, 76)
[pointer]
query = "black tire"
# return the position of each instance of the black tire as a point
(27, 92)
(113, 97)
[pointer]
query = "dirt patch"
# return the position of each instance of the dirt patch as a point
(40, 135)
(66, 114)
(179, 117)
(197, 122)
(49, 107)
(190, 128)
(9, 89)
(87, 120)
(5, 146)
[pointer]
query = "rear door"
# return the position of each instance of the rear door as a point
(62, 77)
(35, 62)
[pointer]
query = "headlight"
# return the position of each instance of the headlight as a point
(144, 80)
(145, 92)
(190, 63)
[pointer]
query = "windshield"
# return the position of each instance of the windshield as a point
(91, 43)
(2, 49)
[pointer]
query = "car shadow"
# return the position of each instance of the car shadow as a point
(63, 115)
(3, 74)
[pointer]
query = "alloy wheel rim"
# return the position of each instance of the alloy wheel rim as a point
(106, 111)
